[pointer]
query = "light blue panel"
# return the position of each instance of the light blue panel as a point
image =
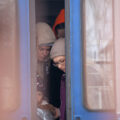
(76, 61)
(23, 7)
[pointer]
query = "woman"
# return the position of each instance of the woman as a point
(57, 54)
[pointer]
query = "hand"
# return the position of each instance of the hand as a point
(55, 111)
(49, 107)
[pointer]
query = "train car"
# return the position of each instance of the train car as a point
(92, 57)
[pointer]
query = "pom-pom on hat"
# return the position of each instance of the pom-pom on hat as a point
(58, 48)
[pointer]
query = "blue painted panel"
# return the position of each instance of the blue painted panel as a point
(78, 109)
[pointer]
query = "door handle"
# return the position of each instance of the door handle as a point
(77, 118)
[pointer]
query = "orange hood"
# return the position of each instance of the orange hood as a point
(60, 19)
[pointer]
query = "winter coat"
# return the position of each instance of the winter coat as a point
(63, 98)
(43, 76)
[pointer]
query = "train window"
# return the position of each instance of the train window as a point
(9, 60)
(98, 55)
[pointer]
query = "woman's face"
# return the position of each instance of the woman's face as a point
(43, 53)
(59, 62)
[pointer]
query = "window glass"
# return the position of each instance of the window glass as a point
(98, 55)
(9, 57)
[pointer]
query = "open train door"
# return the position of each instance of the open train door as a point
(94, 59)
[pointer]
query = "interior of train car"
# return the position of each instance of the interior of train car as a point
(46, 13)
(48, 10)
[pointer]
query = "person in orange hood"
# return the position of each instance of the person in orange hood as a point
(59, 25)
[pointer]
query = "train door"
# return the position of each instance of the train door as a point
(94, 59)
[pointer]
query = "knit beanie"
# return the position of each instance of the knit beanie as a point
(60, 19)
(45, 35)
(58, 48)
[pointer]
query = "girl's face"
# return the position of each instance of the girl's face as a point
(39, 96)
(59, 62)
(60, 33)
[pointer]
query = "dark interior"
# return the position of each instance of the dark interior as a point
(47, 10)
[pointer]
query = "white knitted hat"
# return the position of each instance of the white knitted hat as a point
(45, 35)
(58, 48)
